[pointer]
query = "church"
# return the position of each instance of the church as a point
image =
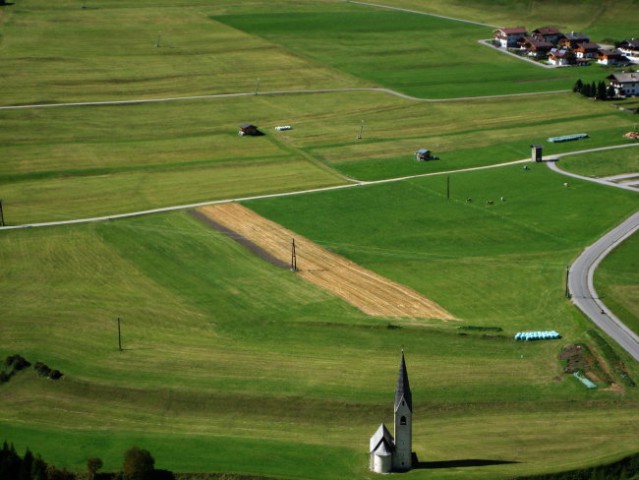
(388, 454)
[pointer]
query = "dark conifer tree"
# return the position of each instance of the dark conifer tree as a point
(602, 91)
(26, 465)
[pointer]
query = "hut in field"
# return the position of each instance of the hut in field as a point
(249, 129)
(423, 154)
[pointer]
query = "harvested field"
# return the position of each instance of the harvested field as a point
(366, 290)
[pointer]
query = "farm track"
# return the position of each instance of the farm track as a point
(371, 293)
(214, 96)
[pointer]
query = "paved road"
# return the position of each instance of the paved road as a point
(581, 273)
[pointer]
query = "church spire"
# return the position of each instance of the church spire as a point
(403, 387)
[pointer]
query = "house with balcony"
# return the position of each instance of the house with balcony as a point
(625, 84)
(573, 39)
(548, 34)
(630, 49)
(509, 37)
(611, 58)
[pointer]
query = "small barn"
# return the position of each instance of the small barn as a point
(248, 129)
(423, 154)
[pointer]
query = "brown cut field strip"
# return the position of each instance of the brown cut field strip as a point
(371, 293)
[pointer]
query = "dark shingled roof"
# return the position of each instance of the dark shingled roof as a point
(403, 387)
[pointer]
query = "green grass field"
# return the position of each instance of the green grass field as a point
(436, 58)
(233, 365)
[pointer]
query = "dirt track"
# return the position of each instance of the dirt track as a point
(368, 291)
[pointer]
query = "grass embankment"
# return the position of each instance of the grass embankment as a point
(617, 282)
(604, 164)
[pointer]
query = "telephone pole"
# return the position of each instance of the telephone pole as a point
(1, 215)
(567, 277)
(293, 258)
(119, 336)
(361, 131)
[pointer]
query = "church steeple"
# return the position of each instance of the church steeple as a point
(403, 387)
(403, 457)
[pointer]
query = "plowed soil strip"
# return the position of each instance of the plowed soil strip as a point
(366, 290)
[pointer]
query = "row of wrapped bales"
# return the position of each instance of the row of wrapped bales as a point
(541, 335)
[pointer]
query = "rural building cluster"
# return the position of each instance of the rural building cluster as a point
(573, 49)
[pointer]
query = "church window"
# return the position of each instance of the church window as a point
(402, 421)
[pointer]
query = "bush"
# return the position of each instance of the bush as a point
(42, 369)
(17, 362)
(138, 464)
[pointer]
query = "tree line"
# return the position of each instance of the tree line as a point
(138, 465)
(596, 90)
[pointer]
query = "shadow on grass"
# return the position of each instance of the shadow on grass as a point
(470, 462)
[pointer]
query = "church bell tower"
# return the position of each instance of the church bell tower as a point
(403, 455)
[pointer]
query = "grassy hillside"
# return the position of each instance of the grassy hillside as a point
(75, 162)
(421, 55)
(233, 365)
(602, 20)
(245, 368)
(490, 254)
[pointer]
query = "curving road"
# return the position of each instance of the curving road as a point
(580, 278)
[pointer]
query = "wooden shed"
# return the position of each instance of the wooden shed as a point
(248, 129)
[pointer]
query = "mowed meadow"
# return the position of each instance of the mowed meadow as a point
(230, 364)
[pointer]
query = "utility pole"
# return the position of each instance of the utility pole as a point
(567, 277)
(447, 187)
(1, 215)
(293, 258)
(119, 336)
(361, 131)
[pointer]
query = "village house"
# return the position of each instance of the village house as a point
(630, 49)
(561, 57)
(535, 47)
(611, 57)
(625, 84)
(509, 37)
(586, 50)
(573, 39)
(548, 34)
